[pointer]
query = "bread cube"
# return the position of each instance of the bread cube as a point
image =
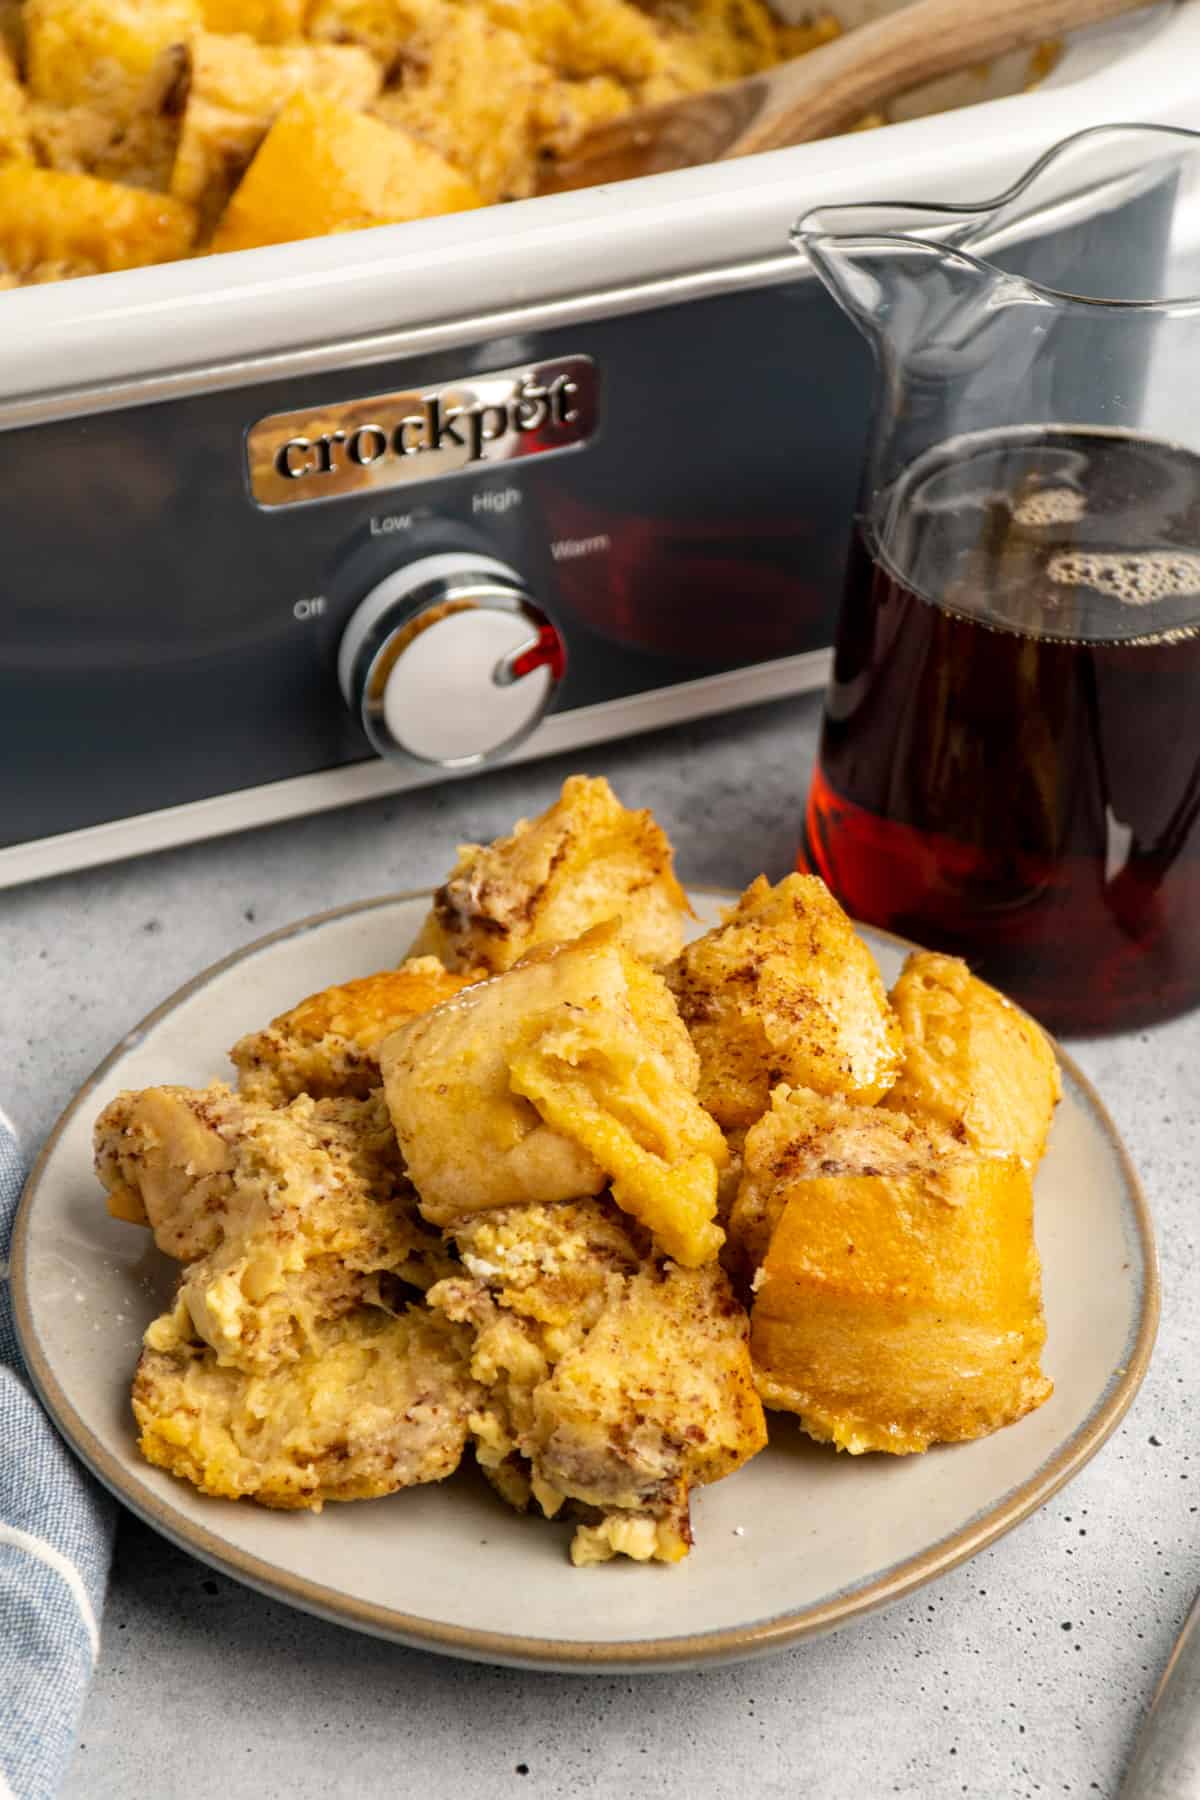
(237, 88)
(570, 1071)
(323, 168)
(583, 861)
(78, 225)
(281, 1214)
(611, 1380)
(661, 1387)
(473, 96)
(784, 990)
(328, 1045)
(801, 1135)
(268, 21)
(973, 1062)
(136, 146)
(100, 52)
(899, 1304)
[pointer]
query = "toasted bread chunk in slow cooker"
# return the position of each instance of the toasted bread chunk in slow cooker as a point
(387, 28)
(285, 1218)
(15, 142)
(236, 90)
(723, 40)
(566, 109)
(784, 990)
(973, 1061)
(138, 152)
(472, 93)
(656, 51)
(545, 1083)
(374, 1404)
(328, 1045)
(100, 52)
(899, 1303)
(268, 21)
(585, 859)
(586, 37)
(54, 225)
(614, 1381)
(324, 168)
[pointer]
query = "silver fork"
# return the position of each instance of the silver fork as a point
(1166, 1763)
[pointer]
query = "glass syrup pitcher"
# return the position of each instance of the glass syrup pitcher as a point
(1009, 766)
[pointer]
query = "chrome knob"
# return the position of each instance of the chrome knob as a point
(449, 660)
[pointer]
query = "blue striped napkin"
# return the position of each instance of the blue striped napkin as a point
(56, 1533)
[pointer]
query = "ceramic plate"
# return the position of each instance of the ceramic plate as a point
(800, 1540)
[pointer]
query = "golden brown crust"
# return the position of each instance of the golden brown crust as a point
(328, 1044)
(236, 89)
(899, 1303)
(804, 1134)
(323, 168)
(585, 860)
(784, 990)
(54, 224)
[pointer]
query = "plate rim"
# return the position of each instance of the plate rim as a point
(728, 1644)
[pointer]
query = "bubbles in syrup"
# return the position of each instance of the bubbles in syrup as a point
(1135, 578)
(1083, 535)
(1050, 506)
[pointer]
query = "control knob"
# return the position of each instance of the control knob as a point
(449, 660)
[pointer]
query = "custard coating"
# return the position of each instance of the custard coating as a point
(973, 1061)
(614, 1381)
(546, 1083)
(374, 1403)
(285, 1219)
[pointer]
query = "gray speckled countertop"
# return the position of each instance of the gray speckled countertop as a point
(1024, 1672)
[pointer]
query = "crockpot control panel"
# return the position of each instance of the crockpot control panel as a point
(307, 586)
(448, 660)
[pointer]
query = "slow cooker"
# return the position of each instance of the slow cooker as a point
(291, 528)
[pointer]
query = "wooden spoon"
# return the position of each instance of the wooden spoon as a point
(822, 92)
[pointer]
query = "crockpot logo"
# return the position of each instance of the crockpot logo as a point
(389, 439)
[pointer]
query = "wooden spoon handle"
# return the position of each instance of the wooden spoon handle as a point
(829, 88)
(822, 92)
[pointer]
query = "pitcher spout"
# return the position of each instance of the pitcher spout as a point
(895, 287)
(903, 271)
